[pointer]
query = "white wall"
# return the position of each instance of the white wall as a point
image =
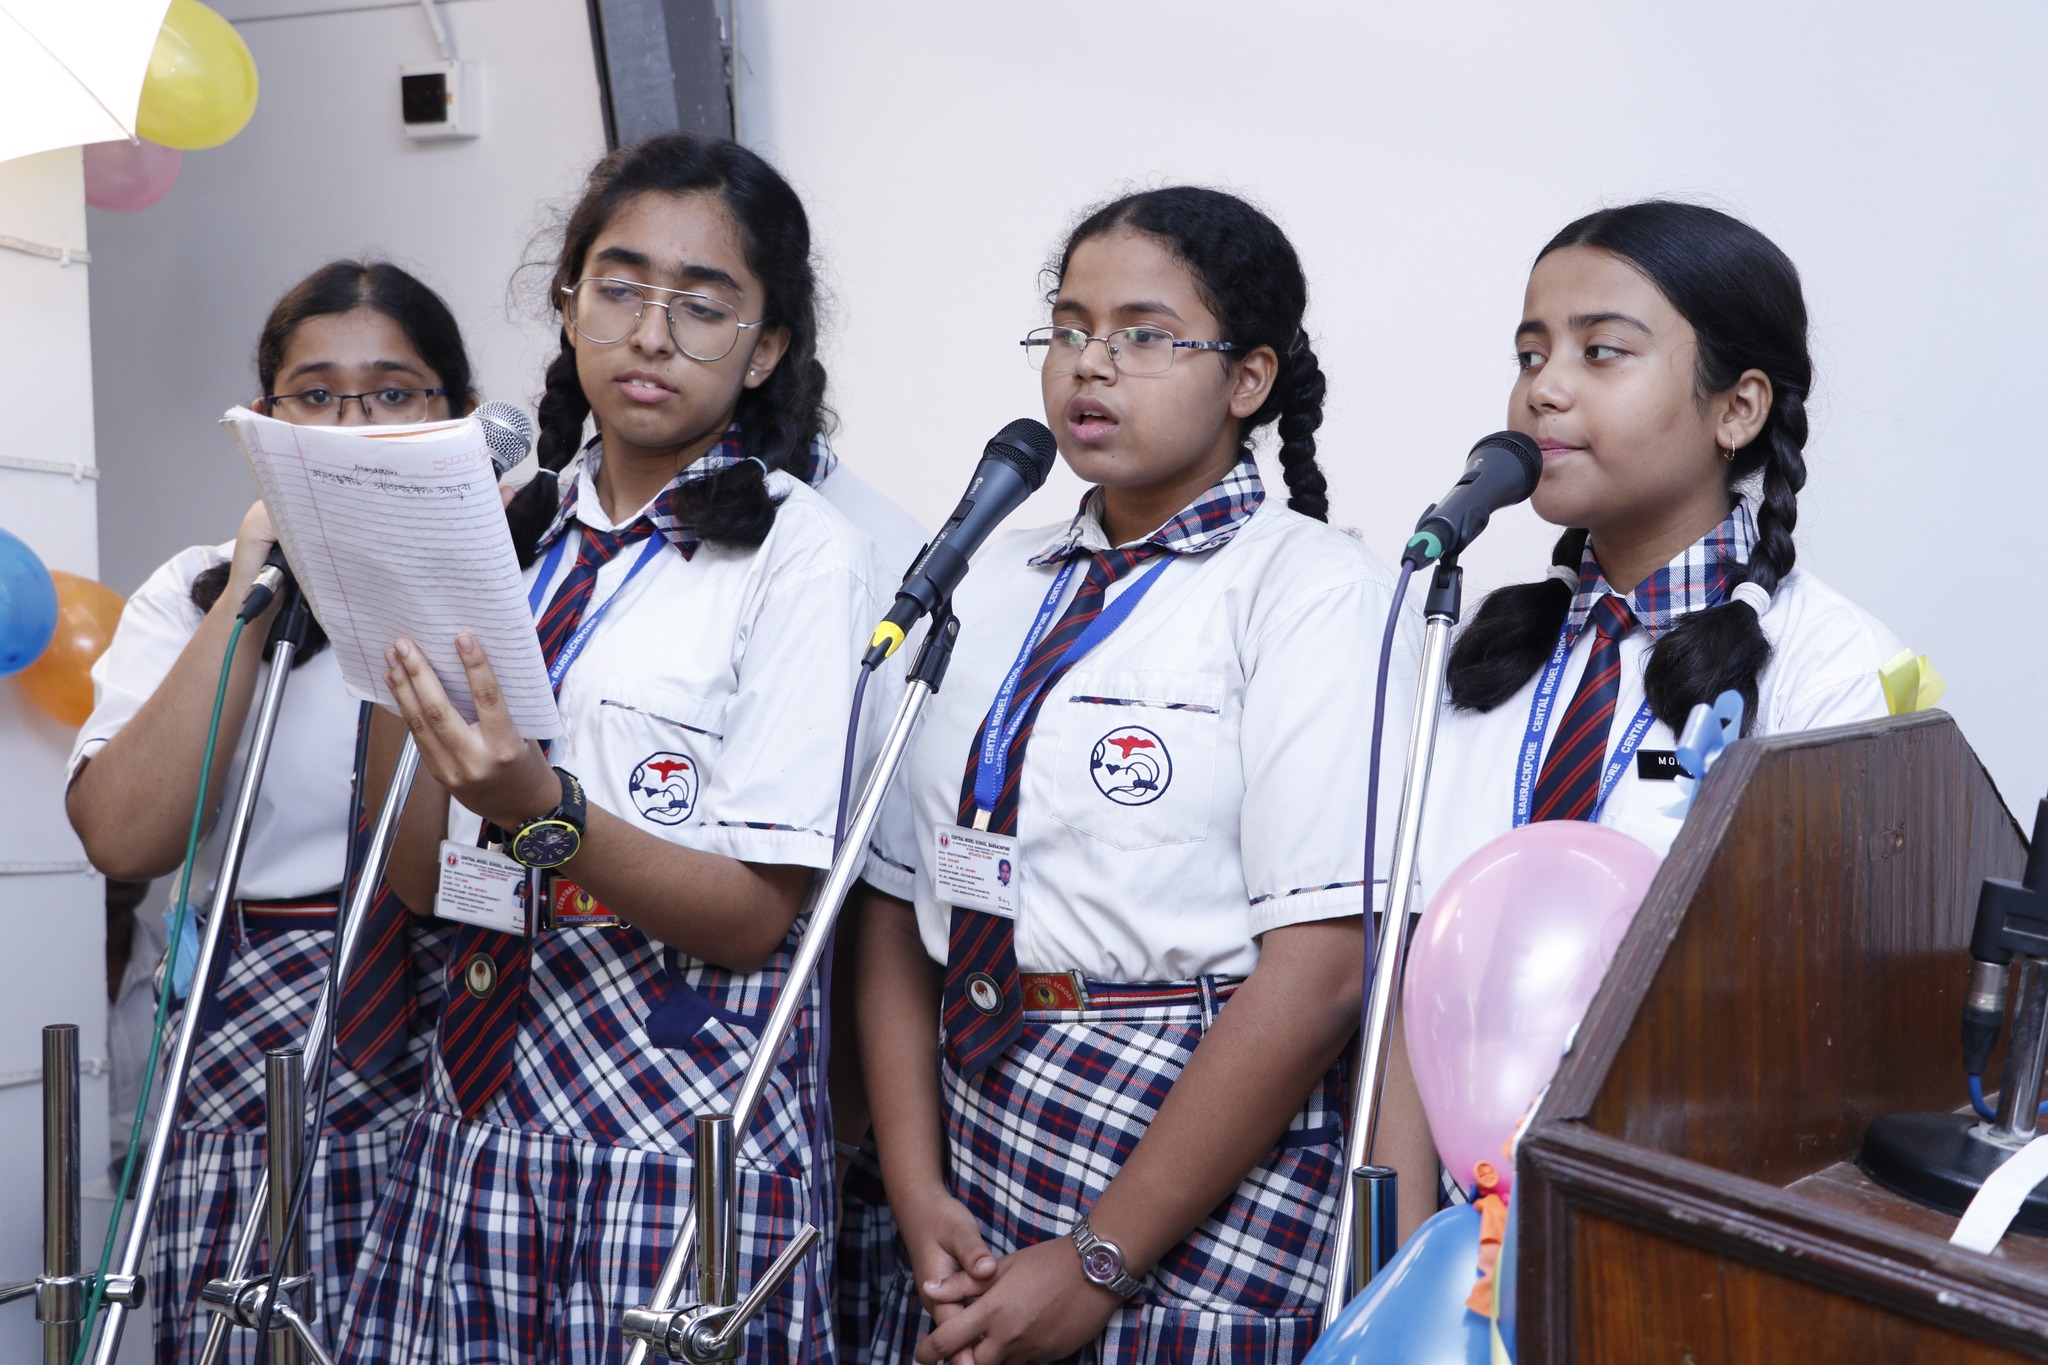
(54, 921)
(1419, 155)
(324, 170)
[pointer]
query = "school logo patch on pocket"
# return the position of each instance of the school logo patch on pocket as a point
(664, 787)
(1130, 766)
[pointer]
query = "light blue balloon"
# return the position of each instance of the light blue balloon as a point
(1507, 1280)
(28, 606)
(1413, 1313)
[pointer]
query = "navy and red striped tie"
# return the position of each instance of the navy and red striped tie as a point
(983, 1004)
(374, 1022)
(1568, 787)
(487, 970)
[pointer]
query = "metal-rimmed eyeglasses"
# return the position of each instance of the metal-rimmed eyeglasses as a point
(389, 406)
(1133, 350)
(605, 310)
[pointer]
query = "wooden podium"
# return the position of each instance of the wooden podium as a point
(1688, 1192)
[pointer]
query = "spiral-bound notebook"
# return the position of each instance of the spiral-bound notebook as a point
(400, 531)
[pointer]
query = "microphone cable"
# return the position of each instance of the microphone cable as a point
(95, 1295)
(1372, 799)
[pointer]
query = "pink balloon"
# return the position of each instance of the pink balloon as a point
(126, 177)
(1501, 970)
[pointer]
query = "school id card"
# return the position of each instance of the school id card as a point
(481, 886)
(977, 870)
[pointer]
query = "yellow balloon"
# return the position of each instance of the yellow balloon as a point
(201, 87)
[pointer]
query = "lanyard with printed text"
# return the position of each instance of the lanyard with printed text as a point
(996, 736)
(559, 669)
(1527, 767)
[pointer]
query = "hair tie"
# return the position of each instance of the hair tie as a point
(756, 459)
(1565, 574)
(1754, 594)
(1298, 345)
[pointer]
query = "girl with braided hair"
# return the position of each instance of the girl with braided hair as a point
(1663, 369)
(1106, 1087)
(699, 607)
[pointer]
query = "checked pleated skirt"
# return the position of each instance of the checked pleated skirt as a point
(1039, 1134)
(265, 998)
(518, 1237)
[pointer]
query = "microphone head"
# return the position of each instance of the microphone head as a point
(508, 431)
(1526, 452)
(1026, 446)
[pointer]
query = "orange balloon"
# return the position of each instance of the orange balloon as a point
(60, 682)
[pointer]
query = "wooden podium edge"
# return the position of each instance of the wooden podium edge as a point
(1563, 1163)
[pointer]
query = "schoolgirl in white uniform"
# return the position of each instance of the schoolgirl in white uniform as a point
(355, 342)
(1103, 1022)
(700, 610)
(1663, 369)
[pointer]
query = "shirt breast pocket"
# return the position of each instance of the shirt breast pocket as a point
(658, 746)
(1135, 755)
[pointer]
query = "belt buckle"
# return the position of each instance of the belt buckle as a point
(1050, 997)
(569, 906)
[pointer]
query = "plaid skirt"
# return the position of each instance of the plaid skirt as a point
(870, 1256)
(1037, 1137)
(520, 1236)
(266, 995)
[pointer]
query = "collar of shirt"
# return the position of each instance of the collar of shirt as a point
(1207, 523)
(661, 511)
(1695, 580)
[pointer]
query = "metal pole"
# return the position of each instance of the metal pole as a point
(823, 909)
(718, 1260)
(284, 1127)
(60, 1298)
(1348, 1271)
(149, 1184)
(347, 934)
(1376, 1190)
(2020, 1097)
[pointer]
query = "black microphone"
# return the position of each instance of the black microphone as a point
(1502, 470)
(1013, 467)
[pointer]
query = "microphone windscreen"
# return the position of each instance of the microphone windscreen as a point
(508, 431)
(1028, 447)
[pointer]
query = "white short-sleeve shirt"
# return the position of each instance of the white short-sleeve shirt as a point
(709, 705)
(1251, 667)
(300, 832)
(1825, 656)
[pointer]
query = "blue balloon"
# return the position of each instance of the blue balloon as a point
(1414, 1313)
(28, 606)
(1507, 1280)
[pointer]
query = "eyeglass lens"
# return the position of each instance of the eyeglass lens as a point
(605, 311)
(1134, 350)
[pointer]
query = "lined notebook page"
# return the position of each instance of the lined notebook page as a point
(399, 531)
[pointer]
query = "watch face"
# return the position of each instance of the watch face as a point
(1101, 1264)
(548, 843)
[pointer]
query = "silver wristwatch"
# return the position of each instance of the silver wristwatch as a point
(1103, 1262)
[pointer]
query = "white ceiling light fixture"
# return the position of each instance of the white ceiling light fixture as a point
(70, 72)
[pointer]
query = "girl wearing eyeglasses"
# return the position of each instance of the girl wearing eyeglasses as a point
(700, 609)
(355, 342)
(1107, 1088)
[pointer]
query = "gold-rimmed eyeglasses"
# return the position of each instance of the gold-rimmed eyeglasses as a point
(605, 310)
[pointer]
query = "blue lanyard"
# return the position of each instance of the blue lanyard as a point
(996, 737)
(1539, 726)
(559, 669)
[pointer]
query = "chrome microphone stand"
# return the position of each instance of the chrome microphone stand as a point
(227, 1295)
(710, 1329)
(1366, 1209)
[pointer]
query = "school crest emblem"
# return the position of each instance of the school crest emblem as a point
(1131, 766)
(664, 787)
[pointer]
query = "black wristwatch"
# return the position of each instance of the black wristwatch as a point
(1103, 1262)
(552, 839)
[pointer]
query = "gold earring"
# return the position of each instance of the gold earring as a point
(1728, 454)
